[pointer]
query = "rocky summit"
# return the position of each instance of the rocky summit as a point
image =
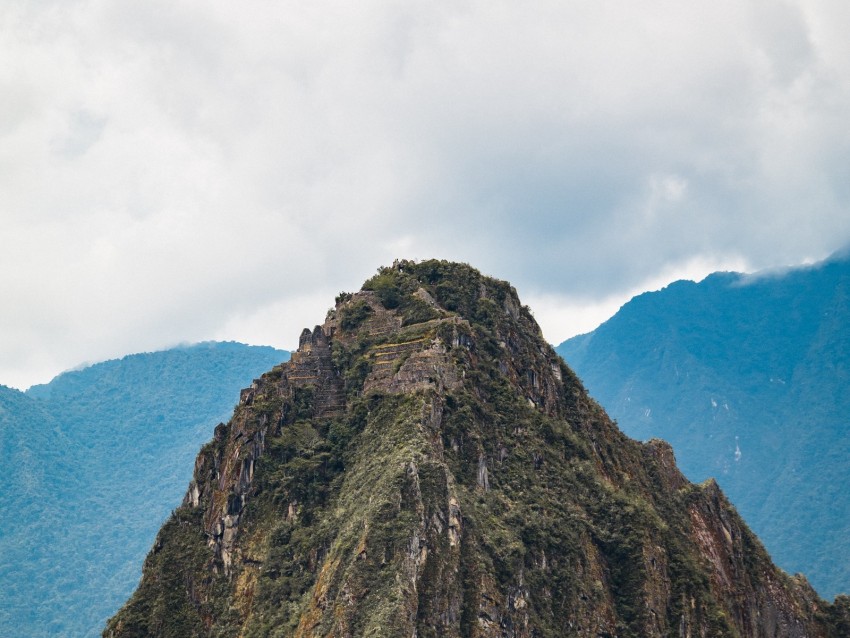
(426, 465)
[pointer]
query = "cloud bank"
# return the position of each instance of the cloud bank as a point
(187, 170)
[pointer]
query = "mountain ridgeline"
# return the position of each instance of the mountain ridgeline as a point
(426, 465)
(747, 376)
(96, 460)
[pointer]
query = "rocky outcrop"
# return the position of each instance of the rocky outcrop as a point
(746, 375)
(426, 466)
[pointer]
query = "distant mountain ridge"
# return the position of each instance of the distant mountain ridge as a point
(97, 457)
(748, 377)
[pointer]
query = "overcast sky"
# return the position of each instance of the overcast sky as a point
(176, 171)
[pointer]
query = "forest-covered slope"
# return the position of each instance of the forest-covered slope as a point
(748, 377)
(96, 460)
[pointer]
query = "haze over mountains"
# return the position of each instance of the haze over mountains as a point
(748, 376)
(96, 459)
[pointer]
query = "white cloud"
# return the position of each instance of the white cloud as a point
(562, 316)
(172, 171)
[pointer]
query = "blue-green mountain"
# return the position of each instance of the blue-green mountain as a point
(748, 377)
(95, 461)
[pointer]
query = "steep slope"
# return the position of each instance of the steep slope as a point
(98, 458)
(747, 377)
(39, 477)
(426, 465)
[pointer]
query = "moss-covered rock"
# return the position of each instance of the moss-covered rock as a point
(427, 466)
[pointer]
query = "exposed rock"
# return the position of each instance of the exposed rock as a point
(426, 466)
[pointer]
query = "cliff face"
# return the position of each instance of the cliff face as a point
(731, 370)
(426, 465)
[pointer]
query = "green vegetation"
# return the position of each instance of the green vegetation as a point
(396, 289)
(97, 459)
(353, 315)
(747, 377)
(492, 495)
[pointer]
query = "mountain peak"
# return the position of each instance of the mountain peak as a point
(425, 465)
(406, 319)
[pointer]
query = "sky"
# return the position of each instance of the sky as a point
(184, 170)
